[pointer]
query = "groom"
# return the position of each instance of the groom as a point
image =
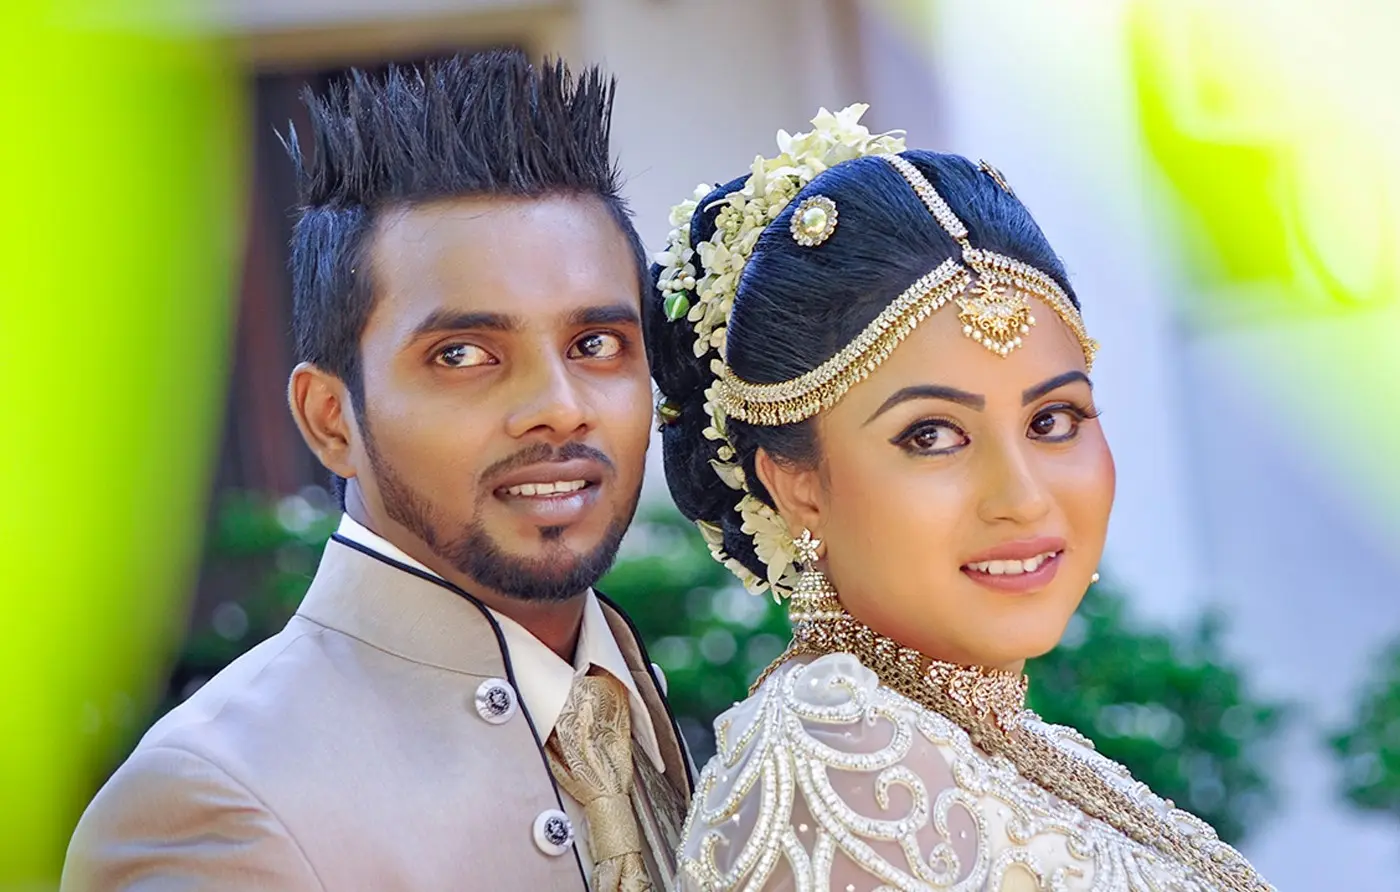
(452, 707)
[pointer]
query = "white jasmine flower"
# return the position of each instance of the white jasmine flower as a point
(731, 474)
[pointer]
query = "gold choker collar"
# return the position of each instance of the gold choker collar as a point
(984, 701)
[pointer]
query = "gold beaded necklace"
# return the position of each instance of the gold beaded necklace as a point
(990, 705)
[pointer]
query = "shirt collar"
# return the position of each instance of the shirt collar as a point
(360, 534)
(542, 676)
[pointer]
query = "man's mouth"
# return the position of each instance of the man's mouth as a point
(553, 494)
(557, 487)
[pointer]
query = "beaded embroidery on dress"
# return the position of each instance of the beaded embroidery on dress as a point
(825, 779)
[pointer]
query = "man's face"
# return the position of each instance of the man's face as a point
(507, 404)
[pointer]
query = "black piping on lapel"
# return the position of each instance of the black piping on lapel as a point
(505, 656)
(651, 673)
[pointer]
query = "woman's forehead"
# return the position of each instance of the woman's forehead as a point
(940, 352)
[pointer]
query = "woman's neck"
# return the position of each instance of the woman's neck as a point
(977, 697)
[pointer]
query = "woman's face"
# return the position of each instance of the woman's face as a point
(963, 497)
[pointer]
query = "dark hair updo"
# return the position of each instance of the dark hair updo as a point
(798, 306)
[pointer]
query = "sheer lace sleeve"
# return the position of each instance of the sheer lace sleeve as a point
(823, 780)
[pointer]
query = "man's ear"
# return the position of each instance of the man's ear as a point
(797, 492)
(320, 404)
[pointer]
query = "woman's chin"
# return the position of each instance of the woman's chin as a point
(1012, 651)
(1031, 631)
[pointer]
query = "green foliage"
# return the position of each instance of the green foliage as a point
(709, 635)
(1169, 705)
(262, 553)
(1369, 748)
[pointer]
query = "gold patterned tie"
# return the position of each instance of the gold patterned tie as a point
(590, 753)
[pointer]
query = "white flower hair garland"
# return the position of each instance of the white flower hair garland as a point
(706, 301)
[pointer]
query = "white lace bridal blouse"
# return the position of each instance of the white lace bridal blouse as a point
(825, 779)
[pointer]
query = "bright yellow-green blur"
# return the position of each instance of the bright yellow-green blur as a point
(1277, 136)
(120, 167)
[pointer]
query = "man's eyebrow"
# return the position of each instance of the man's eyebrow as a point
(441, 320)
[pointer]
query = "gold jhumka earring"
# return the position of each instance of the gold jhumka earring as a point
(813, 599)
(812, 583)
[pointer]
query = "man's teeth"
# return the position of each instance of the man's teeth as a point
(546, 489)
(1012, 568)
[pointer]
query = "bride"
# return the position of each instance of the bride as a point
(876, 404)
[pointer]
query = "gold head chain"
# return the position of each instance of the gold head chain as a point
(992, 293)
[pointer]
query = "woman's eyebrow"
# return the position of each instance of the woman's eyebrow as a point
(930, 392)
(1031, 394)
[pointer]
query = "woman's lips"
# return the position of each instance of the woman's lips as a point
(1019, 550)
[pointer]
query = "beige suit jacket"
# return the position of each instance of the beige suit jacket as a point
(347, 752)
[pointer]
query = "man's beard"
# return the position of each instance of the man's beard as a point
(472, 551)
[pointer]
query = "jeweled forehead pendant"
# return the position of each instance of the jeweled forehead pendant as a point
(995, 315)
(995, 311)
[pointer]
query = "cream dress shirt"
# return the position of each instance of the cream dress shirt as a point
(543, 677)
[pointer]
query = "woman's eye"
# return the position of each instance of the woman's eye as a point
(599, 345)
(932, 438)
(462, 356)
(1056, 424)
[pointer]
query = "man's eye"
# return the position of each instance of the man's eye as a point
(461, 356)
(599, 345)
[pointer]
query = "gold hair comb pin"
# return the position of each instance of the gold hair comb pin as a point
(814, 221)
(996, 176)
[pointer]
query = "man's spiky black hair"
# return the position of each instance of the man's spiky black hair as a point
(485, 124)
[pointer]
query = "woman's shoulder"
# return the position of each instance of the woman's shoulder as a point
(829, 687)
(833, 692)
(823, 773)
(1117, 775)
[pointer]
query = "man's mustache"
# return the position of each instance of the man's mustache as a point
(542, 453)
